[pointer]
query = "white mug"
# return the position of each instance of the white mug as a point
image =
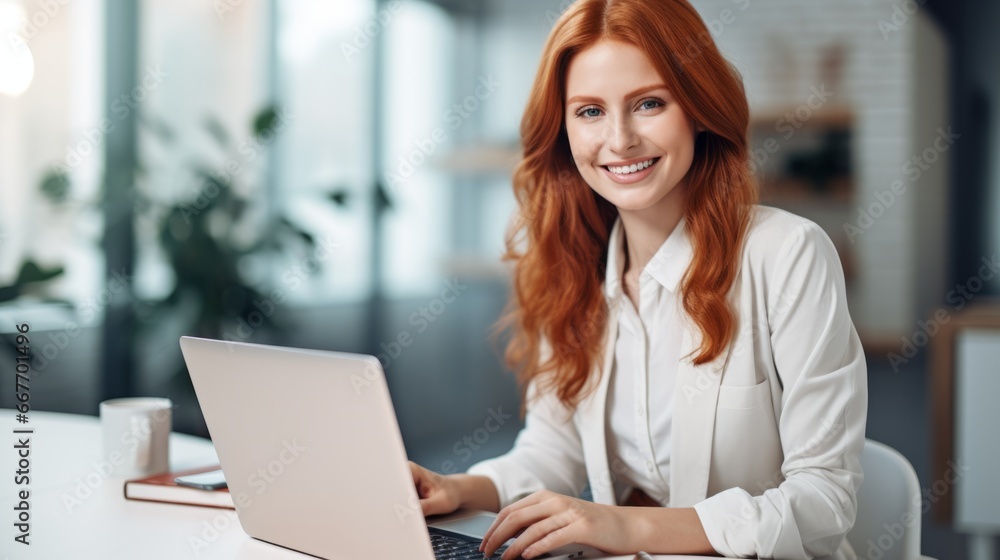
(137, 435)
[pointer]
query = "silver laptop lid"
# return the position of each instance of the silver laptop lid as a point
(311, 449)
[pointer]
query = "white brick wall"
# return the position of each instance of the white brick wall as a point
(896, 87)
(895, 84)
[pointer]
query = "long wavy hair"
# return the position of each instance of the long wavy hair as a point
(558, 241)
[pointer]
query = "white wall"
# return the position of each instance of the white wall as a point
(53, 122)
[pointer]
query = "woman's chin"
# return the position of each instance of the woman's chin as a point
(633, 202)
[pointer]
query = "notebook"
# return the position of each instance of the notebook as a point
(162, 488)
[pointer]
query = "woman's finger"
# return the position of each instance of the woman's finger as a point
(523, 518)
(502, 515)
(415, 470)
(555, 539)
(429, 506)
(539, 536)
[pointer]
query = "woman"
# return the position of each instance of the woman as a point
(678, 345)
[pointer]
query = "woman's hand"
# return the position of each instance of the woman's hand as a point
(551, 520)
(438, 494)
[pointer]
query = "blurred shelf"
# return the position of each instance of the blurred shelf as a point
(40, 315)
(789, 193)
(480, 159)
(475, 267)
(826, 116)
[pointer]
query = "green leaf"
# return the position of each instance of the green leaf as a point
(31, 272)
(55, 186)
(265, 120)
(339, 197)
(296, 230)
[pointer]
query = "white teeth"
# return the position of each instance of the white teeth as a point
(631, 168)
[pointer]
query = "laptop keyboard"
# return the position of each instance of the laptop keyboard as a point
(447, 547)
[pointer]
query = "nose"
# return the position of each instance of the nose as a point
(621, 136)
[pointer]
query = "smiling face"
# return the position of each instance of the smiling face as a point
(632, 143)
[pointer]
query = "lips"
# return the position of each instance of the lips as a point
(642, 169)
(633, 168)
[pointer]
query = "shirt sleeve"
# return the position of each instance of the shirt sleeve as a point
(821, 367)
(547, 454)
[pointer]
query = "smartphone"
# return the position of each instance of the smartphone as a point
(211, 480)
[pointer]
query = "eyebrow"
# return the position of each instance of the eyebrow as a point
(635, 93)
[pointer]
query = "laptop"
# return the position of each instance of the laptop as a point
(312, 454)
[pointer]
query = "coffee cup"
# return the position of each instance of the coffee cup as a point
(137, 435)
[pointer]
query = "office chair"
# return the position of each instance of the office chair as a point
(888, 520)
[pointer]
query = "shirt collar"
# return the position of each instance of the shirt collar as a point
(667, 266)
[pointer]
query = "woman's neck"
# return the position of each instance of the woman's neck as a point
(646, 230)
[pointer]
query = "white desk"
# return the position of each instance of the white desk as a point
(65, 449)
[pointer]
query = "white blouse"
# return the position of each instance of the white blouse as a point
(647, 351)
(767, 436)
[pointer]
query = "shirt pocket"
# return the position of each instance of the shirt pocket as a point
(744, 397)
(746, 450)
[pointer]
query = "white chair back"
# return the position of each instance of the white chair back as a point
(889, 504)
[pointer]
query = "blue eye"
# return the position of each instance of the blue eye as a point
(594, 112)
(656, 104)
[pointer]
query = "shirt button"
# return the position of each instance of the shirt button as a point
(639, 410)
(649, 466)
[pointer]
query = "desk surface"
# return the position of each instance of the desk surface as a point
(77, 512)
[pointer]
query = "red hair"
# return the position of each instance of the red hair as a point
(559, 239)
